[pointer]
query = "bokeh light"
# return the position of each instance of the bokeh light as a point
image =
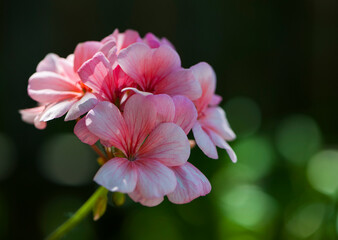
(322, 172)
(248, 206)
(8, 161)
(256, 157)
(298, 137)
(306, 220)
(57, 210)
(65, 160)
(151, 224)
(244, 116)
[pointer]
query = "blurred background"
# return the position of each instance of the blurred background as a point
(277, 70)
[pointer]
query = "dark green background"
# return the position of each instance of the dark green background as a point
(277, 70)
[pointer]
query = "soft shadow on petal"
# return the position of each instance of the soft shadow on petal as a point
(56, 110)
(87, 102)
(204, 142)
(185, 113)
(82, 132)
(85, 51)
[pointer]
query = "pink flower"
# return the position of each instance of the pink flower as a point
(32, 116)
(212, 128)
(158, 70)
(153, 148)
(154, 42)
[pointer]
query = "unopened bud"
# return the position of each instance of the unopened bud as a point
(118, 198)
(192, 143)
(101, 161)
(100, 207)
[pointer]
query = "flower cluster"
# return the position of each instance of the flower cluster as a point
(133, 96)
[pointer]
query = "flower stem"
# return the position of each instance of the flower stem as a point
(80, 214)
(98, 151)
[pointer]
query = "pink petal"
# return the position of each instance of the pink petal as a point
(135, 90)
(204, 73)
(215, 100)
(49, 87)
(154, 179)
(216, 120)
(204, 142)
(154, 42)
(97, 74)
(168, 144)
(140, 117)
(106, 122)
(191, 183)
(117, 175)
(32, 116)
(127, 38)
(137, 197)
(82, 132)
(220, 142)
(80, 107)
(53, 63)
(181, 82)
(85, 51)
(165, 107)
(147, 66)
(185, 113)
(56, 110)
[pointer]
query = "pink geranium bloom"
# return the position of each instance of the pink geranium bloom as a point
(212, 128)
(148, 149)
(158, 70)
(154, 42)
(32, 116)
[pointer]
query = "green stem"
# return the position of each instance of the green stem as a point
(80, 214)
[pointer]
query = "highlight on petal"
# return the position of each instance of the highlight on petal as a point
(154, 179)
(185, 113)
(204, 142)
(180, 82)
(85, 51)
(82, 132)
(205, 75)
(148, 66)
(117, 175)
(191, 183)
(168, 144)
(105, 121)
(165, 107)
(80, 107)
(49, 87)
(140, 117)
(56, 110)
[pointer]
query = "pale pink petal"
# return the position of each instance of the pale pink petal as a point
(56, 110)
(181, 82)
(117, 175)
(107, 46)
(137, 197)
(96, 73)
(155, 42)
(154, 179)
(168, 144)
(148, 66)
(220, 142)
(140, 117)
(135, 90)
(49, 64)
(204, 73)
(185, 113)
(80, 107)
(82, 132)
(50, 87)
(106, 122)
(85, 51)
(127, 38)
(216, 120)
(165, 107)
(32, 116)
(191, 183)
(215, 100)
(204, 142)
(28, 115)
